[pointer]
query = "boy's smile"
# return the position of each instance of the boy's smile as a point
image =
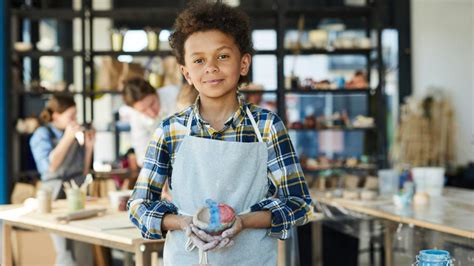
(214, 64)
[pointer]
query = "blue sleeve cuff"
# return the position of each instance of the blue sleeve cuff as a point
(285, 214)
(148, 216)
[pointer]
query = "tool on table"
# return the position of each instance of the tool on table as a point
(81, 214)
(118, 227)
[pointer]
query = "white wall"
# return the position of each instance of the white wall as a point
(442, 56)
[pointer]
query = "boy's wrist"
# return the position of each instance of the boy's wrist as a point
(171, 222)
(259, 219)
(241, 219)
(184, 221)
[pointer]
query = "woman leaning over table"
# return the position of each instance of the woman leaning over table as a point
(62, 150)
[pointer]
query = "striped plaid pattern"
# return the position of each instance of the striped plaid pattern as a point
(288, 199)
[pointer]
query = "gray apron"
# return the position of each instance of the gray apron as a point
(72, 167)
(234, 173)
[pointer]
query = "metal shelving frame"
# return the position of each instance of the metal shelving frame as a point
(280, 14)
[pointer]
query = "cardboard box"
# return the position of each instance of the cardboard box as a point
(32, 248)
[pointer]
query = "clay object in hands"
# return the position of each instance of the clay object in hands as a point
(214, 218)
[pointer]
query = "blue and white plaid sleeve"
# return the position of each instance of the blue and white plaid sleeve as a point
(145, 207)
(292, 206)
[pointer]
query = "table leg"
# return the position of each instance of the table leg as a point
(102, 255)
(388, 242)
(371, 243)
(7, 259)
(145, 251)
(128, 259)
(317, 243)
(142, 255)
(154, 258)
(281, 260)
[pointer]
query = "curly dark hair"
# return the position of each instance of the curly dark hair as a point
(206, 15)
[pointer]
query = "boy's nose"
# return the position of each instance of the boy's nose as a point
(212, 67)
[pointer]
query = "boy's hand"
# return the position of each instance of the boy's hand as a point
(235, 229)
(202, 239)
(228, 235)
(225, 243)
(184, 222)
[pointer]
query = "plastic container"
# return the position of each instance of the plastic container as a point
(118, 198)
(429, 180)
(76, 199)
(433, 257)
(388, 182)
(44, 200)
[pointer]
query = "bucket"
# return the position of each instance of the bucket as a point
(433, 257)
(388, 181)
(429, 179)
(117, 197)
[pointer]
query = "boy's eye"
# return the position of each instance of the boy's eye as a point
(198, 61)
(223, 56)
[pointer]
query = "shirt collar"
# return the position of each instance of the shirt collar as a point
(58, 133)
(235, 120)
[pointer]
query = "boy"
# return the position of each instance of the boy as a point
(220, 148)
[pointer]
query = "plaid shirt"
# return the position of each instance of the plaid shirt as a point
(289, 202)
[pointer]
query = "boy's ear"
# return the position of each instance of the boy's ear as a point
(245, 64)
(185, 73)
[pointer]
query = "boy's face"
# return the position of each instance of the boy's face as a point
(213, 63)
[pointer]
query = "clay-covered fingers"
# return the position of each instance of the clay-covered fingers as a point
(185, 223)
(229, 233)
(204, 246)
(188, 231)
(230, 244)
(203, 235)
(234, 230)
(224, 243)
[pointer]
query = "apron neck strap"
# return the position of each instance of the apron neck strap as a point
(189, 123)
(254, 124)
(249, 114)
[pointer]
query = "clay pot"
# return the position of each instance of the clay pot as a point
(202, 219)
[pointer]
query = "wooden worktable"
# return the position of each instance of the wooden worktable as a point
(113, 230)
(451, 213)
